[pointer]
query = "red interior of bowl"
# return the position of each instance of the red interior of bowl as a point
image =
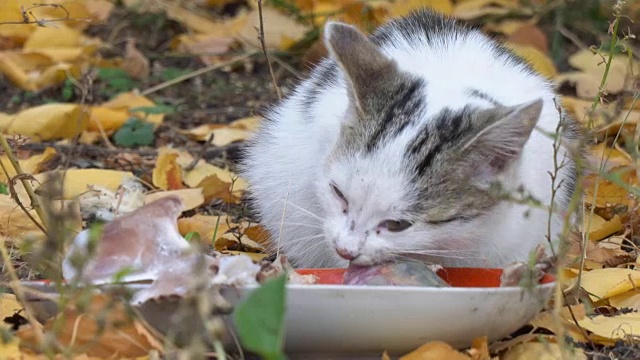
(456, 277)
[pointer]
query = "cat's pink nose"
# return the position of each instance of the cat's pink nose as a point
(346, 254)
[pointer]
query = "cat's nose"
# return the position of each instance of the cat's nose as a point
(347, 254)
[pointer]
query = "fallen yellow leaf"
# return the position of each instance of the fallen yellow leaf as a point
(167, 174)
(46, 122)
(32, 165)
(191, 198)
(9, 305)
(281, 31)
(131, 100)
(108, 119)
(630, 300)
(542, 351)
(617, 327)
(472, 9)
(537, 59)
(604, 283)
(598, 228)
(602, 156)
(104, 328)
(404, 7)
(435, 350)
(238, 130)
(78, 181)
(603, 193)
(592, 67)
(205, 225)
(59, 36)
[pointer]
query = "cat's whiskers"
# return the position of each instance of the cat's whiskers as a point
(304, 210)
(303, 225)
(453, 254)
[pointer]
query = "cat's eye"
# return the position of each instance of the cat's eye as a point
(395, 225)
(444, 221)
(340, 196)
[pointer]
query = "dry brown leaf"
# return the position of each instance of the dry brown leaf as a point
(135, 63)
(214, 188)
(529, 35)
(435, 350)
(99, 10)
(121, 336)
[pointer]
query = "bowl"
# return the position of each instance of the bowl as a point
(331, 321)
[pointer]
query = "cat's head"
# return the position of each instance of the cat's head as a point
(398, 182)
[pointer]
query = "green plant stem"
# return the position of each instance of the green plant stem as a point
(603, 83)
(27, 186)
(219, 348)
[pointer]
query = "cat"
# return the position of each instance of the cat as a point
(412, 142)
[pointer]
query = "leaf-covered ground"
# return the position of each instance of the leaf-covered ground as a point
(166, 92)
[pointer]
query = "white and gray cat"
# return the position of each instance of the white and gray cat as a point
(394, 144)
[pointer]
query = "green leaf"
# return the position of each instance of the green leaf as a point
(154, 110)
(67, 90)
(192, 235)
(134, 132)
(4, 189)
(260, 319)
(172, 73)
(116, 80)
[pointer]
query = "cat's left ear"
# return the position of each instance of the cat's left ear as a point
(500, 143)
(370, 74)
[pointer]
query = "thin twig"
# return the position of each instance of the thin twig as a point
(264, 50)
(27, 185)
(20, 294)
(27, 15)
(200, 154)
(198, 72)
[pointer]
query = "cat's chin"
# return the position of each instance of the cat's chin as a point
(366, 261)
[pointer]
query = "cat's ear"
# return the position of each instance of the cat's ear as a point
(500, 143)
(369, 73)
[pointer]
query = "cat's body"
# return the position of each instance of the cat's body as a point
(390, 150)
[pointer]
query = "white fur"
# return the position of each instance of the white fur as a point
(289, 172)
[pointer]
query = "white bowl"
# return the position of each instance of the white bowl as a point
(346, 321)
